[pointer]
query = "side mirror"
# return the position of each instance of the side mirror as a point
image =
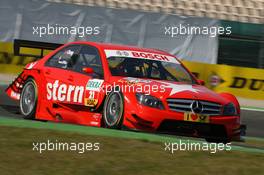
(88, 70)
(201, 82)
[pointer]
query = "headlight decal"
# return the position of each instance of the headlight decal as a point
(229, 109)
(148, 100)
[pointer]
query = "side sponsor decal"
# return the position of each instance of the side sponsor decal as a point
(91, 100)
(94, 85)
(64, 93)
(141, 55)
(93, 88)
(72, 93)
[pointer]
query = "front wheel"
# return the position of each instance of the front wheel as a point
(113, 110)
(28, 99)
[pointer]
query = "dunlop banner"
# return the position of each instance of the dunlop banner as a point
(242, 82)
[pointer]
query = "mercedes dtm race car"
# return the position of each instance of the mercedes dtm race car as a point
(116, 86)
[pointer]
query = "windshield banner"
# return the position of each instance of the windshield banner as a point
(141, 55)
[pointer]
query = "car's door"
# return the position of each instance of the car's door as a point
(89, 57)
(59, 77)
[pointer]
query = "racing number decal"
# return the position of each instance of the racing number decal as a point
(91, 101)
(188, 116)
(91, 94)
(93, 88)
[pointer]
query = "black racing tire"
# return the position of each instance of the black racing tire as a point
(113, 111)
(28, 99)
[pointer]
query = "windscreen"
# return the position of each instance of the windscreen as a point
(148, 68)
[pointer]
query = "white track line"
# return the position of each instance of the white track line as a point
(252, 109)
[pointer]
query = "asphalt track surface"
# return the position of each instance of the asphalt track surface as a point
(253, 119)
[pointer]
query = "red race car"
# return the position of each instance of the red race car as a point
(116, 86)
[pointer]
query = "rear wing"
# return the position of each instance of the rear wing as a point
(33, 48)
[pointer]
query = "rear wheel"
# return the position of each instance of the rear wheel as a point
(113, 110)
(28, 99)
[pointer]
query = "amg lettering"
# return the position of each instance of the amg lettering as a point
(63, 92)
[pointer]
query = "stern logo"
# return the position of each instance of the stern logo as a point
(63, 92)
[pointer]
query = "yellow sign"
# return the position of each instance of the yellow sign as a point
(240, 81)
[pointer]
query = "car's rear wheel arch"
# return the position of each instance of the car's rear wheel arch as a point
(31, 86)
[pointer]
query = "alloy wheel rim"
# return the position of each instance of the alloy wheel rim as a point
(114, 109)
(28, 98)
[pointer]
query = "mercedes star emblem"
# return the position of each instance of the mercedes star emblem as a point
(196, 107)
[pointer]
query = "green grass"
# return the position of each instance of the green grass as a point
(116, 156)
(253, 141)
(251, 145)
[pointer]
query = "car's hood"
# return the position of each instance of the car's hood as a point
(170, 89)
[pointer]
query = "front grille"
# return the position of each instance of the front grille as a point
(184, 105)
